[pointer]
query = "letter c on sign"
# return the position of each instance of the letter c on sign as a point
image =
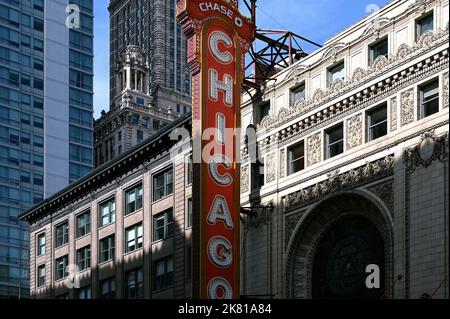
(215, 161)
(221, 283)
(214, 39)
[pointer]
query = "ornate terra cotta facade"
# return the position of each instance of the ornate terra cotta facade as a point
(360, 164)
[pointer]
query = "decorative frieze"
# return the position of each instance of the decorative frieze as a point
(394, 107)
(354, 131)
(445, 90)
(335, 182)
(245, 186)
(270, 168)
(314, 154)
(407, 107)
(282, 163)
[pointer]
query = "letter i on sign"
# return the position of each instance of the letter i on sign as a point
(217, 42)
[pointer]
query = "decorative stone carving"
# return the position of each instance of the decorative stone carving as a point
(270, 168)
(290, 222)
(431, 148)
(445, 90)
(354, 131)
(245, 179)
(380, 63)
(428, 41)
(336, 182)
(407, 107)
(385, 192)
(282, 163)
(394, 114)
(314, 149)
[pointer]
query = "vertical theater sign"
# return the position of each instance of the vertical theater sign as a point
(218, 37)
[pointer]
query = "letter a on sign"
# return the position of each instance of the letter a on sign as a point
(218, 38)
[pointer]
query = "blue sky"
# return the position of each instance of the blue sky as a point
(317, 20)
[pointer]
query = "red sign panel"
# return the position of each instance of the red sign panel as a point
(218, 38)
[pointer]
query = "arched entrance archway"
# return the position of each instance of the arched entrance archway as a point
(332, 245)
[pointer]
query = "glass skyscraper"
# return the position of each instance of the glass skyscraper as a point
(46, 107)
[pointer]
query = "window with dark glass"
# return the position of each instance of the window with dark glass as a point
(84, 293)
(61, 270)
(162, 184)
(163, 225)
(424, 24)
(190, 169)
(84, 258)
(41, 276)
(189, 212)
(41, 244)
(297, 93)
(380, 48)
(107, 248)
(334, 141)
(336, 72)
(61, 234)
(108, 212)
(83, 224)
(134, 238)
(296, 158)
(264, 110)
(108, 288)
(163, 274)
(429, 98)
(133, 199)
(377, 122)
(135, 284)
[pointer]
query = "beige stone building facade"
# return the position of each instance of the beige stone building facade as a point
(354, 172)
(354, 145)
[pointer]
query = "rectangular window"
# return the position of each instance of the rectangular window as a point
(336, 72)
(377, 122)
(41, 276)
(107, 248)
(429, 98)
(162, 184)
(135, 284)
(264, 110)
(84, 293)
(83, 224)
(163, 225)
(140, 135)
(41, 244)
(133, 199)
(189, 212)
(296, 158)
(380, 48)
(61, 270)
(108, 212)
(134, 238)
(84, 258)
(297, 94)
(190, 170)
(108, 288)
(334, 141)
(163, 274)
(424, 24)
(61, 234)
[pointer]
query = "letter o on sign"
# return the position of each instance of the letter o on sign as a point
(217, 284)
